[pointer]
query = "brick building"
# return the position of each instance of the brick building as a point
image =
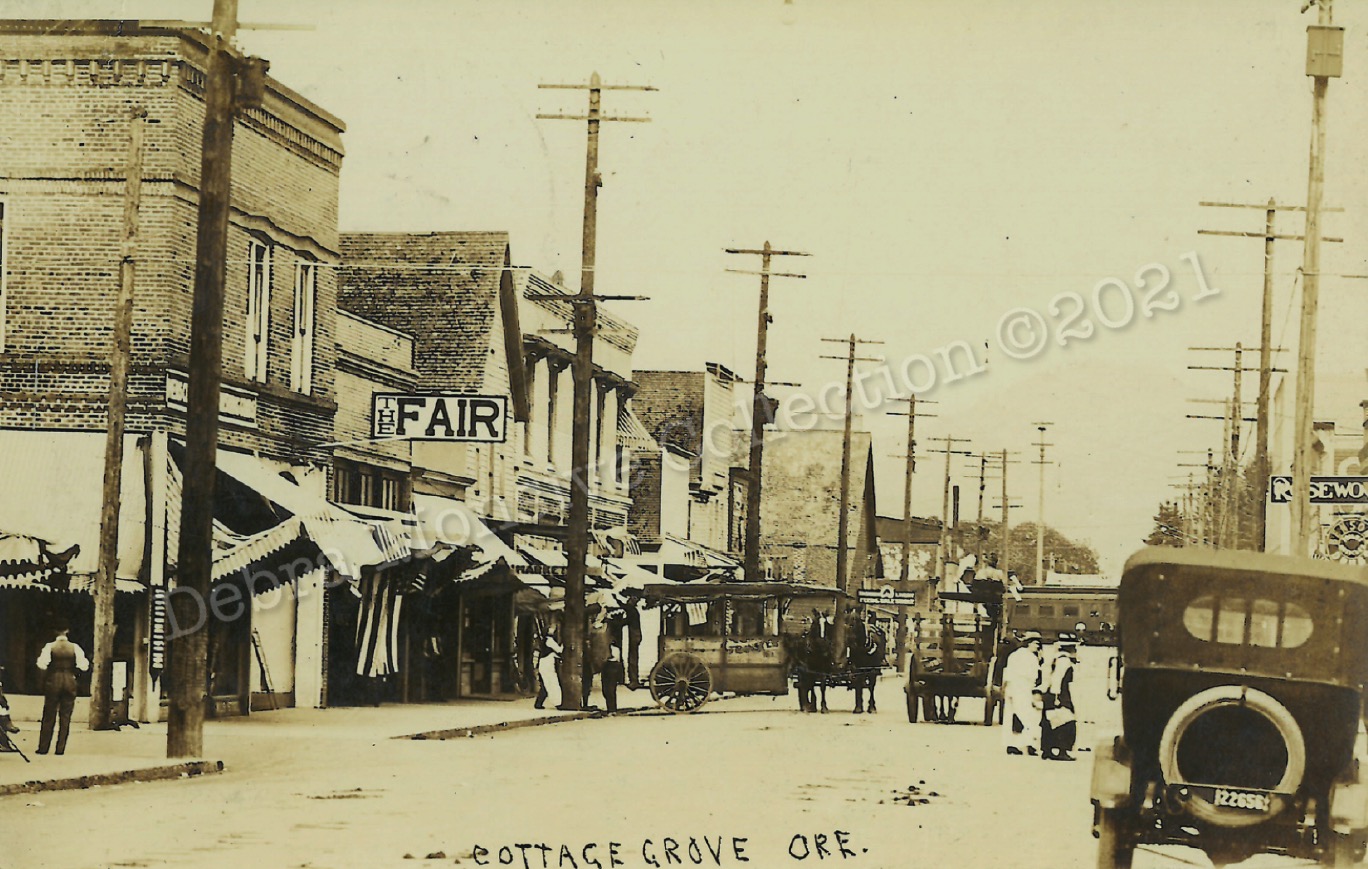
(694, 413)
(67, 90)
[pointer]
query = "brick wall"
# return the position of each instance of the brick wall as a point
(643, 517)
(65, 100)
(670, 405)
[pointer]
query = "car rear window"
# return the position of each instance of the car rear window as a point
(1240, 621)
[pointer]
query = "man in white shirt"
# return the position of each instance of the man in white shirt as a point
(59, 661)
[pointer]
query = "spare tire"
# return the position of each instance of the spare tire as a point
(1232, 736)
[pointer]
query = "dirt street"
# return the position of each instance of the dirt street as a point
(744, 782)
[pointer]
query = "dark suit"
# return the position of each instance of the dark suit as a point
(60, 660)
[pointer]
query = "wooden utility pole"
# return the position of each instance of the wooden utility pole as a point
(1262, 465)
(102, 671)
(1324, 57)
(943, 553)
(904, 573)
(1040, 512)
(760, 404)
(230, 81)
(1005, 556)
(582, 372)
(978, 528)
(843, 520)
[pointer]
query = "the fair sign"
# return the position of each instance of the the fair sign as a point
(440, 417)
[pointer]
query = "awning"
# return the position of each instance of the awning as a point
(453, 523)
(545, 557)
(315, 532)
(625, 574)
(78, 584)
(678, 550)
(51, 489)
(633, 434)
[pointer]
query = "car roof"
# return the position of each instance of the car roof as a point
(1229, 559)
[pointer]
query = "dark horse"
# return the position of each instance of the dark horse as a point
(866, 652)
(812, 660)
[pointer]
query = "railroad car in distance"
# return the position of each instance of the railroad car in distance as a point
(1087, 610)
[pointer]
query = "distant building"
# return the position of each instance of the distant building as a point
(692, 413)
(800, 508)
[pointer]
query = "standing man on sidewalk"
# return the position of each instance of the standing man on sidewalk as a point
(59, 661)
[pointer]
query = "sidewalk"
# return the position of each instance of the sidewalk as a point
(257, 742)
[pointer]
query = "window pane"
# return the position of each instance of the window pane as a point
(1071, 611)
(1263, 624)
(1296, 626)
(1197, 617)
(1230, 623)
(1046, 609)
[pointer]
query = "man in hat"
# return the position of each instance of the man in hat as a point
(1060, 724)
(59, 661)
(1020, 686)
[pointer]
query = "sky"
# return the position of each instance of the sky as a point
(958, 171)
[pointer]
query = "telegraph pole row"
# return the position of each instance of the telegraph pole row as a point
(760, 405)
(843, 520)
(900, 643)
(1208, 497)
(585, 319)
(1262, 467)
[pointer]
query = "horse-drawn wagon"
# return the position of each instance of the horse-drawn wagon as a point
(963, 661)
(725, 636)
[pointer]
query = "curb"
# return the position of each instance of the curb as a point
(188, 769)
(504, 726)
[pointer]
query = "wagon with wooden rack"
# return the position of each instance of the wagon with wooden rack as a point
(961, 661)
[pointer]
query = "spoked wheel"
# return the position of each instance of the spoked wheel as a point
(1115, 850)
(681, 682)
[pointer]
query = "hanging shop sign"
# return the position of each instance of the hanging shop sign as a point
(440, 417)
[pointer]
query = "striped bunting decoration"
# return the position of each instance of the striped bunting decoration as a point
(377, 626)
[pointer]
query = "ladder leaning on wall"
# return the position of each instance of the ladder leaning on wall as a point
(265, 670)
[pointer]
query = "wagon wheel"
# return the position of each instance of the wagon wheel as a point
(680, 682)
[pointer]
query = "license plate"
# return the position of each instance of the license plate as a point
(1251, 801)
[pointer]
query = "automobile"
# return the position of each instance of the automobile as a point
(1241, 679)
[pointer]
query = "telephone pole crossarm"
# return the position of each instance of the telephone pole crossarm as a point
(760, 403)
